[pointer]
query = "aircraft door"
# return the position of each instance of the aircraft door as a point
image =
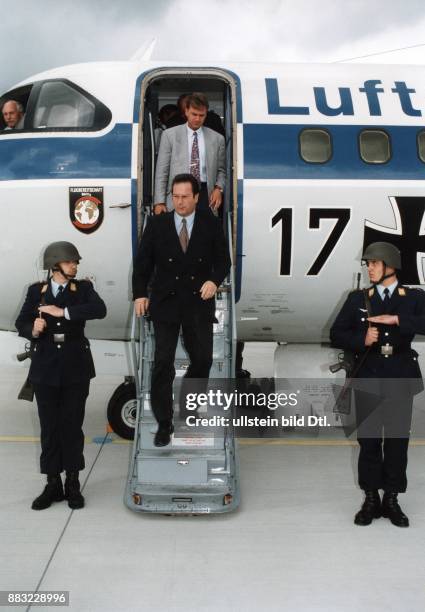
(230, 135)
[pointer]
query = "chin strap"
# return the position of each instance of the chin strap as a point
(384, 277)
(58, 268)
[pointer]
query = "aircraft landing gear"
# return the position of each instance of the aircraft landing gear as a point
(122, 408)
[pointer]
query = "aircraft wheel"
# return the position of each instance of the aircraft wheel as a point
(122, 408)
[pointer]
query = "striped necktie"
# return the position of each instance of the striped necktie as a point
(184, 236)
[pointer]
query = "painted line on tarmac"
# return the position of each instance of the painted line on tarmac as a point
(243, 442)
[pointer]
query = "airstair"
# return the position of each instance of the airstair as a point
(195, 473)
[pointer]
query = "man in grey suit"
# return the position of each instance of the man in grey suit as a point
(192, 148)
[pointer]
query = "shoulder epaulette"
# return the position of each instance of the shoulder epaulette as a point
(409, 289)
(41, 286)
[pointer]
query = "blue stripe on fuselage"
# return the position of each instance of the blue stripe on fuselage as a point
(271, 151)
(69, 156)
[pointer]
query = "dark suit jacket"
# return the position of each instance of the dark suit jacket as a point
(350, 327)
(69, 362)
(177, 277)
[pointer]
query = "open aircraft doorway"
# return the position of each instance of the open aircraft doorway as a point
(158, 89)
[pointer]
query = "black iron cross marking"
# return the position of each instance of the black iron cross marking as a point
(411, 212)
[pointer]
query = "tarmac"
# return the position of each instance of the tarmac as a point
(291, 545)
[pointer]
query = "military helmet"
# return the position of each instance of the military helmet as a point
(59, 251)
(383, 251)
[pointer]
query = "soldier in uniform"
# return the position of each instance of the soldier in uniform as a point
(389, 376)
(53, 317)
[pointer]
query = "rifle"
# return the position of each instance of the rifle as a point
(27, 390)
(347, 361)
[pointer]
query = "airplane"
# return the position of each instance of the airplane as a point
(322, 160)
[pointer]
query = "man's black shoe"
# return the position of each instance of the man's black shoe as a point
(163, 435)
(370, 509)
(53, 492)
(72, 491)
(392, 510)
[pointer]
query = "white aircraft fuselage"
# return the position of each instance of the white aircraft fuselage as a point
(322, 160)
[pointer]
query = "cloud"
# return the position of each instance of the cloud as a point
(36, 36)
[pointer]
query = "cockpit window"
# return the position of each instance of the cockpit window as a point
(61, 105)
(57, 105)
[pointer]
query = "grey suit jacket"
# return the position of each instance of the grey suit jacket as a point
(173, 158)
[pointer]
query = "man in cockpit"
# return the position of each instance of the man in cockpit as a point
(13, 115)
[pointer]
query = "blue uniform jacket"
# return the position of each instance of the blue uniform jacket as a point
(68, 362)
(349, 331)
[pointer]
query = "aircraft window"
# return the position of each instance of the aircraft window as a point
(315, 146)
(374, 146)
(62, 106)
(421, 146)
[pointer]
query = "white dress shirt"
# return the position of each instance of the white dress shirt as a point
(189, 222)
(381, 289)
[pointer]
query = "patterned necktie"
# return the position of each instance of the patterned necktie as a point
(184, 236)
(195, 168)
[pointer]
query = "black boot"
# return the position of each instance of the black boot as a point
(392, 510)
(72, 491)
(370, 509)
(163, 435)
(53, 492)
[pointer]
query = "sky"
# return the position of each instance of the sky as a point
(37, 35)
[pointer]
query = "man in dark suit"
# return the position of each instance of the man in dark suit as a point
(185, 256)
(191, 148)
(53, 317)
(388, 376)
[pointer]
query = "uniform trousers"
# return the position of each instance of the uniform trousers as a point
(198, 342)
(61, 412)
(383, 434)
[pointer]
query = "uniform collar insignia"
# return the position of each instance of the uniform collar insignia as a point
(44, 288)
(401, 291)
(72, 287)
(371, 292)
